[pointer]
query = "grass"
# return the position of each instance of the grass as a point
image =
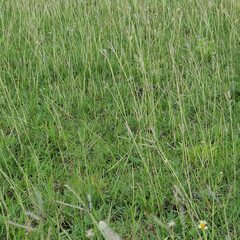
(134, 103)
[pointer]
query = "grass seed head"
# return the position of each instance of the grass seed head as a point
(90, 233)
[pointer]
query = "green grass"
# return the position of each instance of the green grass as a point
(133, 102)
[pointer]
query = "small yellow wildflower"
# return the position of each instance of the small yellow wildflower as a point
(203, 225)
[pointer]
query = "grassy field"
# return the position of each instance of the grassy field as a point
(126, 112)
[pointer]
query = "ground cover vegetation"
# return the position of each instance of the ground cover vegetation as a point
(119, 112)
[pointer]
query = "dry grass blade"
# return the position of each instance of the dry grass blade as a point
(33, 215)
(21, 226)
(69, 205)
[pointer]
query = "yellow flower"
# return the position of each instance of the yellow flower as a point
(203, 225)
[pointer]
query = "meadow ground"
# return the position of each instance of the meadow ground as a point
(119, 111)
